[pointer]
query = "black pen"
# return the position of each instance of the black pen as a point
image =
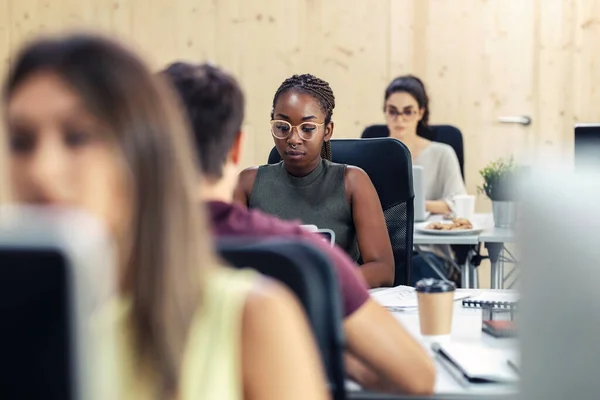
(513, 366)
(449, 366)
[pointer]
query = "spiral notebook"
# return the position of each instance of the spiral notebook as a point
(504, 299)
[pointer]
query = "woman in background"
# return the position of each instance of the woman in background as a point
(406, 107)
(90, 127)
(307, 186)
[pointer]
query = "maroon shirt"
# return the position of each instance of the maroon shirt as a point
(233, 220)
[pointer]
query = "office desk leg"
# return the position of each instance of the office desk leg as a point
(465, 280)
(474, 277)
(500, 269)
(497, 270)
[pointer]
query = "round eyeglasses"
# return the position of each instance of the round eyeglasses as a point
(407, 114)
(283, 129)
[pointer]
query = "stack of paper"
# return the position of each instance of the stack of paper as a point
(403, 297)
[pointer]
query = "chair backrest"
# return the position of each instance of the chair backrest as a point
(387, 162)
(446, 134)
(310, 275)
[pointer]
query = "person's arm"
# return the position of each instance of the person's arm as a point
(382, 355)
(437, 206)
(373, 239)
(246, 179)
(450, 180)
(279, 357)
(352, 286)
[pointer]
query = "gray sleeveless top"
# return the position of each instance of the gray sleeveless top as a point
(316, 199)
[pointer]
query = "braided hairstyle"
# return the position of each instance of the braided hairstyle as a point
(317, 88)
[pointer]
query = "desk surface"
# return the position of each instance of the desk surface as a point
(490, 233)
(466, 328)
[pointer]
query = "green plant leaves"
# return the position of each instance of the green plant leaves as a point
(499, 180)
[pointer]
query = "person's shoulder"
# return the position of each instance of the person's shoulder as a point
(265, 293)
(354, 171)
(268, 303)
(256, 290)
(356, 176)
(224, 279)
(250, 172)
(442, 149)
(247, 177)
(331, 164)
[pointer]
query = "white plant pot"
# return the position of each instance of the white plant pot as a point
(505, 213)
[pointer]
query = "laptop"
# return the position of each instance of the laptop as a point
(327, 234)
(587, 145)
(418, 186)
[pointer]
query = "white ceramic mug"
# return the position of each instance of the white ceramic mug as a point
(464, 206)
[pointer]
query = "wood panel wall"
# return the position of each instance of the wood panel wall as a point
(480, 58)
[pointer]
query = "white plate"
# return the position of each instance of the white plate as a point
(420, 227)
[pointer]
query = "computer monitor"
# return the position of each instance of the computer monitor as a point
(587, 145)
(38, 358)
(559, 231)
(56, 273)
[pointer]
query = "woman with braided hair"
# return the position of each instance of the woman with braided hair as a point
(307, 186)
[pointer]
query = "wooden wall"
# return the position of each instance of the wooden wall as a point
(480, 58)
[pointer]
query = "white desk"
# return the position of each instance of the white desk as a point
(490, 236)
(466, 328)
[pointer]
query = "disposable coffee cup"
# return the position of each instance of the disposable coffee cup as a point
(436, 305)
(464, 206)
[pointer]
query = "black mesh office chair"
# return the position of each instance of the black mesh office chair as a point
(447, 134)
(388, 164)
(310, 275)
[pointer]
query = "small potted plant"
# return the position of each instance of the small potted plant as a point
(500, 186)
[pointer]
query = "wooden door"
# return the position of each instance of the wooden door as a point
(477, 59)
(487, 59)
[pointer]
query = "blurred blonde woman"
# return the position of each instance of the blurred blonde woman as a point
(89, 126)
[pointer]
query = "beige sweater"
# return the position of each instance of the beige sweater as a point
(441, 172)
(441, 181)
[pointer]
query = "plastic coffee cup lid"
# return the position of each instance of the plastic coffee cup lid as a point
(430, 285)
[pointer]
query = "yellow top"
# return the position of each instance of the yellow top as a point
(211, 366)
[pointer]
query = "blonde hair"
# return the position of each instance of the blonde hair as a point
(170, 245)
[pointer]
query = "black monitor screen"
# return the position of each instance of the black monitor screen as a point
(35, 350)
(587, 145)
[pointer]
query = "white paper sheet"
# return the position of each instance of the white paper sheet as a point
(403, 297)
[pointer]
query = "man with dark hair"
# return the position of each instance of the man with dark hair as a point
(380, 353)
